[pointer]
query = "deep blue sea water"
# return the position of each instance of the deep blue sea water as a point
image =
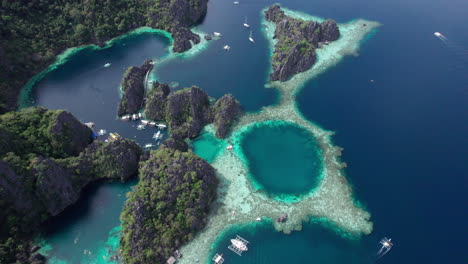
(404, 134)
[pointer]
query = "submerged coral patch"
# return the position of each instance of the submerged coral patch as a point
(238, 201)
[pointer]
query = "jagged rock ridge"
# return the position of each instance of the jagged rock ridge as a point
(133, 88)
(168, 206)
(297, 41)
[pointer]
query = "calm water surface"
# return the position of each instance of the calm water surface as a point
(284, 159)
(404, 134)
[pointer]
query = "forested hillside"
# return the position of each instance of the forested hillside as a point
(33, 32)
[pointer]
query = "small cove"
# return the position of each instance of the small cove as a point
(88, 231)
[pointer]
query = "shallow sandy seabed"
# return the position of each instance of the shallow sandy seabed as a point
(240, 203)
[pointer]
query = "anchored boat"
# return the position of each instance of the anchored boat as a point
(251, 38)
(245, 23)
(218, 259)
(238, 245)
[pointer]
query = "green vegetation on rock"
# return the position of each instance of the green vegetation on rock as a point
(32, 33)
(46, 158)
(297, 40)
(168, 206)
(188, 110)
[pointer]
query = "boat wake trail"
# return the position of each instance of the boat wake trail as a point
(458, 49)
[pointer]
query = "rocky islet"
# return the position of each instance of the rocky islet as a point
(297, 41)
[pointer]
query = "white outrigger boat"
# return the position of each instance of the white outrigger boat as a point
(148, 146)
(227, 47)
(218, 259)
(125, 118)
(251, 38)
(238, 245)
(217, 34)
(89, 124)
(101, 132)
(107, 65)
(161, 126)
(245, 23)
(141, 127)
(386, 246)
(157, 135)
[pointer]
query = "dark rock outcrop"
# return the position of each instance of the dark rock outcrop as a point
(54, 187)
(156, 101)
(176, 143)
(225, 110)
(187, 111)
(116, 160)
(183, 39)
(44, 132)
(69, 134)
(297, 41)
(19, 199)
(37, 258)
(133, 89)
(50, 186)
(170, 203)
(40, 175)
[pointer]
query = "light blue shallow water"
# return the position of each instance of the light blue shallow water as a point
(403, 134)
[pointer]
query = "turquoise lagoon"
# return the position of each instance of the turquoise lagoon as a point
(392, 129)
(283, 158)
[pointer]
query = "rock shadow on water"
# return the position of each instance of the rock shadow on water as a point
(88, 231)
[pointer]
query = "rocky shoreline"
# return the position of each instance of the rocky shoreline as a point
(171, 203)
(297, 41)
(133, 88)
(46, 159)
(175, 17)
(186, 111)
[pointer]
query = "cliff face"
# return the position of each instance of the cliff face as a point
(183, 39)
(170, 203)
(69, 134)
(54, 187)
(133, 89)
(49, 186)
(35, 45)
(297, 40)
(156, 101)
(226, 110)
(45, 161)
(54, 134)
(188, 110)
